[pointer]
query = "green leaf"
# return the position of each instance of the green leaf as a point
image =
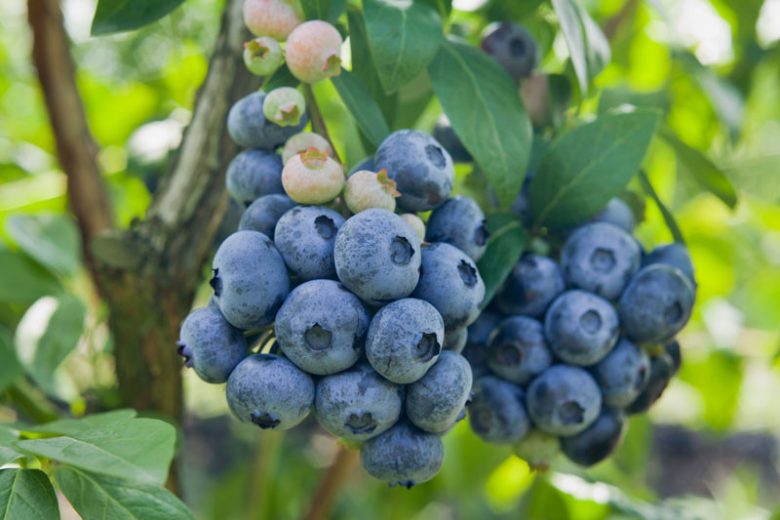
(139, 450)
(126, 15)
(505, 246)
(486, 113)
(403, 36)
(718, 379)
(615, 98)
(10, 368)
(587, 166)
(702, 169)
(98, 497)
(27, 494)
(85, 424)
(22, 280)
(7, 453)
(588, 47)
(443, 6)
(328, 10)
(50, 239)
(365, 111)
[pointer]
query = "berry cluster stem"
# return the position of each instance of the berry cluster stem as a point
(317, 120)
(330, 483)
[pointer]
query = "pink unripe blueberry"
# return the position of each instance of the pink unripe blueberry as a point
(302, 141)
(312, 177)
(416, 223)
(284, 106)
(274, 18)
(262, 56)
(313, 51)
(365, 190)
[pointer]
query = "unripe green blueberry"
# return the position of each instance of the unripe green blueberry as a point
(537, 448)
(416, 222)
(284, 106)
(303, 141)
(274, 18)
(262, 56)
(367, 189)
(313, 51)
(312, 177)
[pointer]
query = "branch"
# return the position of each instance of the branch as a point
(613, 24)
(330, 484)
(317, 120)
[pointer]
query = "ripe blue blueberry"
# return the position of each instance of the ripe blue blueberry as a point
(673, 350)
(518, 351)
(563, 400)
(512, 47)
(532, 285)
(377, 256)
(305, 237)
(358, 404)
(600, 258)
(444, 133)
(250, 279)
(675, 255)
(520, 207)
(623, 374)
(270, 392)
(403, 456)
(420, 166)
(404, 340)
(479, 333)
(661, 372)
(497, 411)
(450, 281)
(249, 128)
(455, 339)
(656, 304)
(597, 442)
(581, 327)
(617, 213)
(263, 214)
(254, 173)
(434, 402)
(321, 327)
(461, 223)
(211, 345)
(538, 449)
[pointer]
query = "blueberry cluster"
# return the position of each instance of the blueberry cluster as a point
(570, 346)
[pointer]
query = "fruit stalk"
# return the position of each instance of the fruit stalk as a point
(317, 120)
(331, 482)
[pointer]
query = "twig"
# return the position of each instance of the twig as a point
(671, 223)
(317, 120)
(330, 484)
(613, 24)
(264, 462)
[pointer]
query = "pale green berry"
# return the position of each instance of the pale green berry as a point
(313, 51)
(284, 106)
(262, 56)
(302, 141)
(275, 18)
(312, 177)
(537, 448)
(367, 189)
(416, 223)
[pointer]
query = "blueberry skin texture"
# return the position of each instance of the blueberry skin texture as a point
(564, 400)
(534, 282)
(675, 255)
(377, 256)
(305, 237)
(518, 351)
(249, 128)
(358, 404)
(211, 345)
(455, 340)
(512, 47)
(459, 222)
(270, 391)
(250, 280)
(444, 133)
(657, 304)
(581, 328)
(420, 166)
(252, 174)
(404, 340)
(597, 442)
(321, 327)
(366, 164)
(434, 402)
(403, 456)
(600, 258)
(450, 281)
(479, 333)
(623, 374)
(617, 213)
(661, 373)
(263, 214)
(497, 411)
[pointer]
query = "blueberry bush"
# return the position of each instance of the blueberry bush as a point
(285, 258)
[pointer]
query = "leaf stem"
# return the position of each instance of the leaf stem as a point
(317, 120)
(671, 223)
(258, 492)
(330, 484)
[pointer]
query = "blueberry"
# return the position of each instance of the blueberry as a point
(211, 345)
(444, 133)
(450, 281)
(661, 373)
(581, 327)
(534, 282)
(497, 411)
(538, 449)
(479, 333)
(434, 402)
(512, 47)
(521, 207)
(358, 404)
(600, 258)
(250, 279)
(563, 400)
(263, 214)
(675, 255)
(270, 391)
(517, 351)
(322, 327)
(404, 340)
(403, 455)
(366, 164)
(249, 128)
(377, 256)
(305, 237)
(617, 213)
(459, 222)
(673, 349)
(420, 166)
(623, 374)
(657, 304)
(597, 442)
(254, 173)
(455, 339)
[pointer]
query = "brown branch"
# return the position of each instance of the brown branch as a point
(626, 12)
(331, 483)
